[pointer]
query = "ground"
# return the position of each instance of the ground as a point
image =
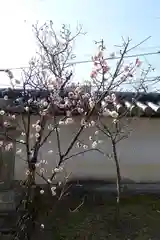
(95, 220)
(139, 217)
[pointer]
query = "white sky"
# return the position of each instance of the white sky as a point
(101, 18)
(16, 42)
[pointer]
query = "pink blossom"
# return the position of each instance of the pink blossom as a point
(93, 74)
(103, 62)
(138, 62)
(105, 69)
(126, 69)
(95, 58)
(95, 63)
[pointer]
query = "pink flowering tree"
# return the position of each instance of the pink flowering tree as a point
(116, 128)
(48, 93)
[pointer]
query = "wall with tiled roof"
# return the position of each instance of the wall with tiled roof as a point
(138, 154)
(141, 104)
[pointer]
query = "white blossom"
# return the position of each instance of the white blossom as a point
(5, 123)
(90, 138)
(80, 110)
(44, 161)
(114, 114)
(23, 134)
(13, 116)
(93, 123)
(68, 113)
(113, 97)
(96, 132)
(41, 101)
(19, 150)
(50, 151)
(94, 144)
(106, 112)
(61, 122)
(103, 104)
(42, 225)
(50, 127)
(61, 105)
(1, 143)
(2, 112)
(58, 169)
(83, 122)
(31, 153)
(21, 141)
(85, 146)
(5, 97)
(27, 172)
(26, 109)
(107, 98)
(9, 146)
(37, 135)
(70, 94)
(69, 121)
(42, 170)
(45, 104)
(53, 191)
(79, 144)
(78, 89)
(86, 95)
(30, 100)
(44, 112)
(91, 104)
(115, 121)
(49, 180)
(41, 191)
(67, 102)
(38, 128)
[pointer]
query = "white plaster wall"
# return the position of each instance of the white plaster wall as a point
(139, 154)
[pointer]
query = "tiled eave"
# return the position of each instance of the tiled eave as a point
(130, 103)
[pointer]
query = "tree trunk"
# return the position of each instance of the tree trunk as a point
(118, 180)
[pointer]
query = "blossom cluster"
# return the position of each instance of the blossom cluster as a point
(70, 100)
(100, 65)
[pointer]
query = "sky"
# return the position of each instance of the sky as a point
(105, 19)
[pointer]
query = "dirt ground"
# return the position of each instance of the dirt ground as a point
(95, 220)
